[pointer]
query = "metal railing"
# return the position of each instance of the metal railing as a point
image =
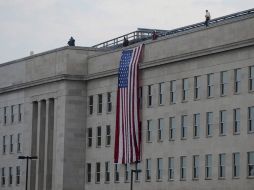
(143, 34)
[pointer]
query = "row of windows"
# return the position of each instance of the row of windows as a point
(172, 174)
(197, 89)
(11, 114)
(100, 104)
(185, 89)
(99, 136)
(10, 179)
(196, 125)
(11, 143)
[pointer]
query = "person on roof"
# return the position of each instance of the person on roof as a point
(71, 41)
(207, 18)
(125, 42)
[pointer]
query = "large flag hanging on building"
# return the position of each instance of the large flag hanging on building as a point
(128, 129)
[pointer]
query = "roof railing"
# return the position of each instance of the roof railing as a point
(143, 34)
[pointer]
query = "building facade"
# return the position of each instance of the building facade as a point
(196, 105)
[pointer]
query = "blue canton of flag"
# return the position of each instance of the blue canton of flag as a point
(124, 69)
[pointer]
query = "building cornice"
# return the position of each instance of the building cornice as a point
(143, 65)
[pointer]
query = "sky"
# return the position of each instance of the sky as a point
(42, 25)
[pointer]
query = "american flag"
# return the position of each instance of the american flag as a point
(128, 129)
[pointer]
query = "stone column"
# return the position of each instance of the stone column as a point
(33, 172)
(41, 144)
(50, 140)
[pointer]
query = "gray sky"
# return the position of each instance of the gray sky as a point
(41, 25)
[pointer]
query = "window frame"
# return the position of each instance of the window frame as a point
(98, 136)
(208, 166)
(210, 85)
(236, 166)
(195, 169)
(196, 125)
(237, 80)
(222, 166)
(172, 92)
(91, 105)
(100, 104)
(109, 102)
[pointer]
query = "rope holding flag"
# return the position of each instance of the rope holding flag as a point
(128, 129)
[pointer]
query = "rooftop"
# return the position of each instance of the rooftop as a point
(143, 34)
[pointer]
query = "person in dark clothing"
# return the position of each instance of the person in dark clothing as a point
(71, 41)
(155, 35)
(125, 42)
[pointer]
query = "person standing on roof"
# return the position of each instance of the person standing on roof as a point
(207, 18)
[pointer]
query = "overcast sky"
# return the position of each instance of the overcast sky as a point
(41, 25)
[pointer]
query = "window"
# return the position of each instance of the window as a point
(251, 78)
(159, 168)
(196, 126)
(236, 164)
(12, 114)
(183, 167)
(250, 164)
(148, 169)
(11, 143)
(197, 87)
(137, 174)
(150, 97)
(107, 172)
(18, 142)
(89, 172)
(90, 105)
(209, 123)
(223, 122)
(237, 121)
(3, 177)
(222, 167)
(160, 129)
(210, 85)
(98, 172)
(195, 167)
(237, 80)
(98, 136)
(99, 103)
(172, 128)
(171, 168)
(10, 175)
(149, 131)
(5, 115)
(4, 144)
(108, 135)
(17, 175)
(185, 89)
(20, 112)
(90, 137)
(208, 166)
(173, 92)
(127, 173)
(161, 93)
(184, 126)
(116, 172)
(223, 83)
(109, 102)
(251, 119)
(140, 97)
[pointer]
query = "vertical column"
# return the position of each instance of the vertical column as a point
(49, 175)
(34, 144)
(41, 144)
(45, 145)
